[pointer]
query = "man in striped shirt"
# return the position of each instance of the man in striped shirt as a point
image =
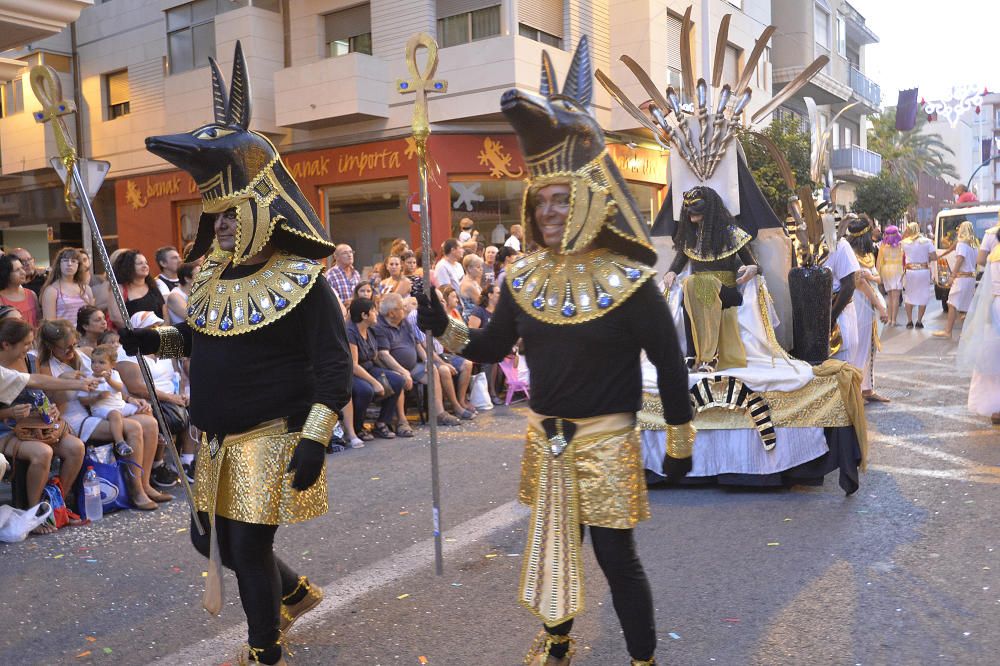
(343, 277)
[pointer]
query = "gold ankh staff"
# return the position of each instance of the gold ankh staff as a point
(48, 89)
(421, 83)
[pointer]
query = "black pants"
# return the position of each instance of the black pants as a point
(263, 579)
(630, 593)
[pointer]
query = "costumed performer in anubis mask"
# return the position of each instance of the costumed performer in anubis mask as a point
(586, 306)
(270, 365)
(721, 261)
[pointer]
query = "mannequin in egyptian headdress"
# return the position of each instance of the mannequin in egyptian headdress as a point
(719, 255)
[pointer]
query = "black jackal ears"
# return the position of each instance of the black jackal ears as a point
(233, 107)
(579, 81)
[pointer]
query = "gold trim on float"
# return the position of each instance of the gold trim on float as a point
(226, 307)
(574, 288)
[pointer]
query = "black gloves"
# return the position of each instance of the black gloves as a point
(675, 469)
(431, 314)
(307, 463)
(146, 340)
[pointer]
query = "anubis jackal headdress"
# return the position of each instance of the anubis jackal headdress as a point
(235, 167)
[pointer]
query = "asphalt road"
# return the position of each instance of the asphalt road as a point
(904, 572)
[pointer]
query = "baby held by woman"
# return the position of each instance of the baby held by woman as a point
(106, 401)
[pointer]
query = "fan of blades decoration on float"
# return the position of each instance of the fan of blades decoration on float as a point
(671, 124)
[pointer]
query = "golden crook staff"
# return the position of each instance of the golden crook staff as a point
(48, 89)
(422, 83)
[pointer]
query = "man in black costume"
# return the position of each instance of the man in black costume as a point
(721, 261)
(270, 365)
(586, 307)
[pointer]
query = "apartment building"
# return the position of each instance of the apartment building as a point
(323, 86)
(991, 113)
(810, 28)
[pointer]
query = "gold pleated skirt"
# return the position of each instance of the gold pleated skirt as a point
(245, 479)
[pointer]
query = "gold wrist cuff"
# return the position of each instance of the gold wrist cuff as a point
(455, 337)
(680, 440)
(171, 342)
(319, 424)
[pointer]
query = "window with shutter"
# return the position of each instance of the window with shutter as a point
(542, 15)
(821, 28)
(349, 31)
(463, 21)
(116, 85)
(731, 65)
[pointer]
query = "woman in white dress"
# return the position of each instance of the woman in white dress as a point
(868, 304)
(919, 252)
(979, 347)
(963, 276)
(890, 269)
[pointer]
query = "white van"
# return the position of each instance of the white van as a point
(982, 214)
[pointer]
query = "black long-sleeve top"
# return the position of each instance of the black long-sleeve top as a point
(279, 370)
(592, 368)
(742, 257)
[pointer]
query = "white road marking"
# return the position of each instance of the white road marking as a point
(346, 590)
(981, 476)
(937, 411)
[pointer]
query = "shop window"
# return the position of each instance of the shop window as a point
(368, 217)
(646, 196)
(467, 26)
(493, 205)
(116, 87)
(349, 31)
(539, 35)
(191, 32)
(188, 217)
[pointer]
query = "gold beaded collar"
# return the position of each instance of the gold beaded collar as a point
(574, 288)
(226, 307)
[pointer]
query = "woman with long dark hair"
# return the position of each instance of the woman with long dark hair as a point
(138, 287)
(91, 324)
(12, 291)
(868, 304)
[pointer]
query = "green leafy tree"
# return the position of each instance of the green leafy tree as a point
(884, 197)
(908, 154)
(790, 138)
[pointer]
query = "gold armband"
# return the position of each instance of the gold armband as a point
(680, 440)
(455, 337)
(171, 342)
(319, 424)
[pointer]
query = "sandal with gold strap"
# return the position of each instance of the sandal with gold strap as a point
(292, 612)
(538, 654)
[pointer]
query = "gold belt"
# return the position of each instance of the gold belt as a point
(964, 274)
(916, 267)
(727, 278)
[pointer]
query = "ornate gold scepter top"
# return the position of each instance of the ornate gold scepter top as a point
(422, 83)
(48, 89)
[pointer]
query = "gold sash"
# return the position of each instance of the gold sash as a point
(595, 479)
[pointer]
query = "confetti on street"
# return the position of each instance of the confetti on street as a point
(403, 596)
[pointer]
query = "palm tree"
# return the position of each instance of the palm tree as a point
(908, 154)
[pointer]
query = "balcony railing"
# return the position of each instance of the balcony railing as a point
(865, 88)
(857, 160)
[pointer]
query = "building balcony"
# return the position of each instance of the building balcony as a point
(823, 88)
(855, 163)
(857, 31)
(865, 90)
(332, 91)
(24, 21)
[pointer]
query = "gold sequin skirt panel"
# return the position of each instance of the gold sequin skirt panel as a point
(610, 484)
(246, 480)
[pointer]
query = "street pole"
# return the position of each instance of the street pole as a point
(422, 83)
(47, 88)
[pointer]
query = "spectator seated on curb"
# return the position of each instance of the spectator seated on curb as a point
(398, 350)
(456, 375)
(173, 405)
(371, 382)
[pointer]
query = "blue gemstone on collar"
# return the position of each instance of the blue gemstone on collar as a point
(226, 324)
(256, 317)
(538, 303)
(633, 274)
(190, 310)
(568, 310)
(200, 322)
(604, 301)
(280, 303)
(517, 283)
(302, 280)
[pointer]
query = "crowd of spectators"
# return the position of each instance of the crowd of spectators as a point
(59, 347)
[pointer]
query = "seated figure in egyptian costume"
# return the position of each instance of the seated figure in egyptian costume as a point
(719, 255)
